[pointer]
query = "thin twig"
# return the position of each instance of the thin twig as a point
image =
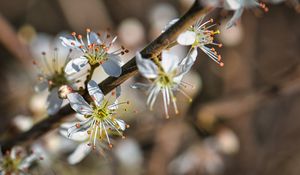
(128, 70)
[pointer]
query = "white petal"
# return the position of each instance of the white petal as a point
(94, 91)
(94, 38)
(66, 126)
(237, 14)
(113, 65)
(78, 103)
(28, 161)
(41, 86)
(188, 61)
(118, 91)
(69, 42)
(80, 153)
(76, 65)
(169, 61)
(186, 38)
(170, 24)
(232, 4)
(146, 67)
(140, 86)
(53, 102)
(121, 124)
(80, 117)
(77, 136)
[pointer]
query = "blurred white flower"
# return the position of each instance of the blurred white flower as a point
(198, 158)
(94, 52)
(97, 120)
(238, 6)
(159, 15)
(200, 36)
(132, 32)
(16, 161)
(129, 148)
(166, 77)
(51, 76)
(232, 36)
(23, 122)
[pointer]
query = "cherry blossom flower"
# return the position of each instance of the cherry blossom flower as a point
(238, 6)
(51, 76)
(96, 121)
(16, 161)
(82, 138)
(166, 77)
(94, 52)
(201, 36)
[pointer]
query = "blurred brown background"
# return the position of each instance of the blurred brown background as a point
(244, 119)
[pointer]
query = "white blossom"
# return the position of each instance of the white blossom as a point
(166, 77)
(201, 36)
(51, 76)
(16, 161)
(96, 121)
(238, 7)
(94, 52)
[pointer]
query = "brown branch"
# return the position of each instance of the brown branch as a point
(128, 70)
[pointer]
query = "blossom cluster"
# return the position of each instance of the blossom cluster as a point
(97, 116)
(98, 119)
(16, 161)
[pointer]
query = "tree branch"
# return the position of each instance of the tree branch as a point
(128, 70)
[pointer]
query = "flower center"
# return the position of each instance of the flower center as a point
(101, 112)
(96, 54)
(58, 79)
(165, 80)
(10, 165)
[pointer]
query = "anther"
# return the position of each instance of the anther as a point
(88, 30)
(110, 145)
(219, 57)
(73, 33)
(79, 36)
(221, 64)
(77, 125)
